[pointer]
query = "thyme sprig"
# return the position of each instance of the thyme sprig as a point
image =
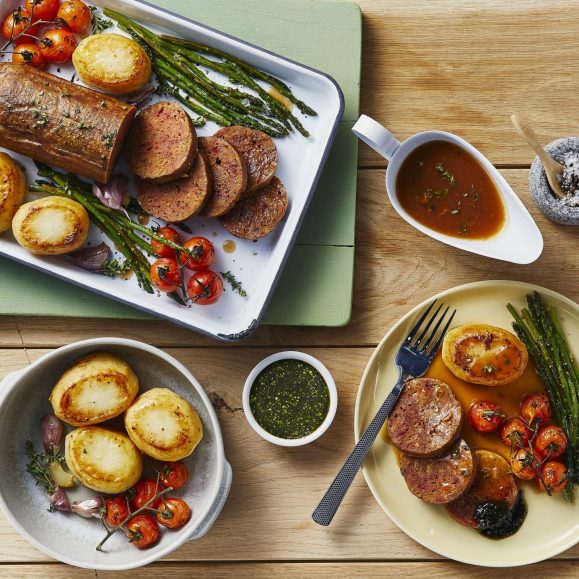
(99, 23)
(114, 268)
(236, 286)
(39, 466)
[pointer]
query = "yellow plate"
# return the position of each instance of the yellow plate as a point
(552, 524)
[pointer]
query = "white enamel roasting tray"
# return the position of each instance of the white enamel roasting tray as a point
(257, 265)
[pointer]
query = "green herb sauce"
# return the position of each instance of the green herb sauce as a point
(289, 399)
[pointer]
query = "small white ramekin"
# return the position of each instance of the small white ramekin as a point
(331, 388)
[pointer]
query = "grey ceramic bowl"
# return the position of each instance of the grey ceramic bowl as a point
(68, 537)
(551, 207)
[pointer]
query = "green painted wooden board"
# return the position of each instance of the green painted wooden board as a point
(322, 260)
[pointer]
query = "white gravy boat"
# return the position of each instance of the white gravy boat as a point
(518, 241)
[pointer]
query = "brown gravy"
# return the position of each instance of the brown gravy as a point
(507, 397)
(445, 188)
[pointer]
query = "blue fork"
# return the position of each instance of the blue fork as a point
(412, 360)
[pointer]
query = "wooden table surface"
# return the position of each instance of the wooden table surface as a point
(462, 66)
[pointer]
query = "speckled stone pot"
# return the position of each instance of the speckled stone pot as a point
(555, 209)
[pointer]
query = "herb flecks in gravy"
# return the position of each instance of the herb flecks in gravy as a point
(445, 188)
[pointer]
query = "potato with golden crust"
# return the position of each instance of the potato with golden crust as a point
(51, 226)
(103, 460)
(12, 190)
(163, 425)
(95, 388)
(112, 63)
(484, 354)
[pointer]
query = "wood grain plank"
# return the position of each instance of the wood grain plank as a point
(275, 489)
(466, 66)
(54, 571)
(396, 268)
(551, 569)
(9, 332)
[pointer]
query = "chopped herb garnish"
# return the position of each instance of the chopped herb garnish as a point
(445, 174)
(431, 193)
(488, 368)
(476, 196)
(235, 285)
(99, 23)
(41, 119)
(83, 126)
(108, 139)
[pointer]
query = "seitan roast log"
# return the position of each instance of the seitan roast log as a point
(60, 123)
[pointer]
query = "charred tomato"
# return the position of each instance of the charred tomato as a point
(173, 513)
(142, 531)
(173, 474)
(204, 287)
(57, 45)
(165, 274)
(535, 410)
(160, 248)
(204, 254)
(144, 491)
(485, 416)
(116, 510)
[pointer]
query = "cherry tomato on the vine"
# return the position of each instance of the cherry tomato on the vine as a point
(116, 510)
(173, 513)
(485, 416)
(76, 14)
(145, 490)
(205, 254)
(204, 287)
(28, 54)
(554, 475)
(165, 274)
(42, 9)
(160, 248)
(551, 442)
(524, 465)
(142, 531)
(535, 410)
(514, 432)
(173, 474)
(57, 45)
(17, 22)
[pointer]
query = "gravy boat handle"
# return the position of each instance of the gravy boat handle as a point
(376, 136)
